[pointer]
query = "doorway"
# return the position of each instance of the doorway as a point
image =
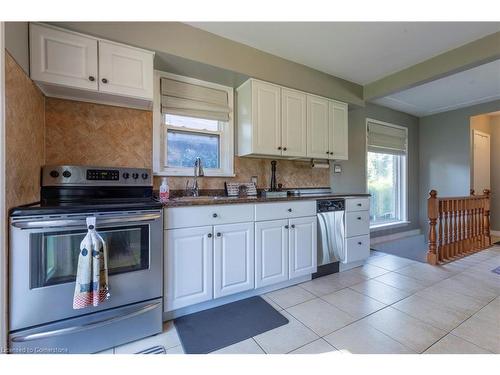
(481, 158)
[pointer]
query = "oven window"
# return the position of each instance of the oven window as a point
(54, 255)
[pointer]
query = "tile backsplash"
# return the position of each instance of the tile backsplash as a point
(95, 134)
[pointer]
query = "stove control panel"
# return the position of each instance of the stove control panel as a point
(72, 175)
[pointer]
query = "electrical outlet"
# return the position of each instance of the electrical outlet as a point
(254, 180)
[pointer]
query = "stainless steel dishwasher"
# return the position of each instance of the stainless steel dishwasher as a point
(331, 235)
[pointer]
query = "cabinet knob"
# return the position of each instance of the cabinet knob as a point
(219, 234)
(289, 210)
(279, 148)
(104, 80)
(286, 226)
(360, 243)
(284, 149)
(328, 152)
(91, 78)
(293, 226)
(331, 153)
(214, 215)
(209, 235)
(359, 218)
(359, 204)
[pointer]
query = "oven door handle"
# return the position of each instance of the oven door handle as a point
(94, 325)
(64, 223)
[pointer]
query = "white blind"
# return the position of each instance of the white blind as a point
(187, 99)
(386, 139)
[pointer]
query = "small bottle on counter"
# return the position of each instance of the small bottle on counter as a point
(164, 190)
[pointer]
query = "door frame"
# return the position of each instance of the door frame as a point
(3, 208)
(472, 136)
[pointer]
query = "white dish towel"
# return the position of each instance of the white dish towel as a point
(91, 287)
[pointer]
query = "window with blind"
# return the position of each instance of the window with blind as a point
(387, 148)
(196, 121)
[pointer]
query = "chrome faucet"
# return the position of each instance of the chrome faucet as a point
(198, 172)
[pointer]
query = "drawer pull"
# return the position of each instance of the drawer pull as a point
(289, 210)
(359, 204)
(359, 217)
(214, 215)
(360, 243)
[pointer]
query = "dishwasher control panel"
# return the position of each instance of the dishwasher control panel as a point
(327, 205)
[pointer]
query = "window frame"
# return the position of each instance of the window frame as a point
(160, 146)
(402, 184)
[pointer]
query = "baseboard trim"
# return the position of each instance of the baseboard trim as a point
(495, 233)
(394, 236)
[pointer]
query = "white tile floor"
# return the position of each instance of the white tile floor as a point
(390, 305)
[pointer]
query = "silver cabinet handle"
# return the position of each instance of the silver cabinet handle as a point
(98, 324)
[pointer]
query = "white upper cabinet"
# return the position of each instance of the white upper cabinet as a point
(338, 139)
(74, 66)
(293, 125)
(125, 70)
(63, 58)
(317, 127)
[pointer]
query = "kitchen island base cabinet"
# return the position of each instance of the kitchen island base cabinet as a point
(188, 277)
(233, 259)
(271, 252)
(303, 238)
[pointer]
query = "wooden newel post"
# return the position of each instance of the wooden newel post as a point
(433, 213)
(486, 219)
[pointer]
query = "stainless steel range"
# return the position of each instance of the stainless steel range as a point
(44, 252)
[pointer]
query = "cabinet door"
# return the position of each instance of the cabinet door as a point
(271, 252)
(338, 131)
(125, 70)
(233, 258)
(293, 123)
(303, 237)
(266, 118)
(188, 268)
(317, 127)
(63, 58)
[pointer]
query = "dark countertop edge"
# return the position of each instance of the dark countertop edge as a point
(236, 200)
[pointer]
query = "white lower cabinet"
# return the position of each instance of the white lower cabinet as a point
(233, 258)
(188, 268)
(302, 254)
(271, 252)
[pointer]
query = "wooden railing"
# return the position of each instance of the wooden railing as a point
(458, 226)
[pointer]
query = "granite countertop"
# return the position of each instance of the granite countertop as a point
(210, 200)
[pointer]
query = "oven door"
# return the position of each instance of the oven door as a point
(44, 260)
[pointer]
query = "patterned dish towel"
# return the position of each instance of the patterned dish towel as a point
(91, 287)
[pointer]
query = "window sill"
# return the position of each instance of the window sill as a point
(190, 174)
(391, 225)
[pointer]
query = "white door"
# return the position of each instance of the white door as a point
(317, 127)
(125, 70)
(234, 258)
(63, 58)
(481, 156)
(188, 268)
(271, 252)
(266, 118)
(338, 131)
(303, 244)
(293, 123)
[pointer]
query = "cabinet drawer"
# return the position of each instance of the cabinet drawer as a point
(357, 248)
(285, 210)
(357, 204)
(196, 216)
(357, 223)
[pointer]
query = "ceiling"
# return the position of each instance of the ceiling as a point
(361, 52)
(477, 85)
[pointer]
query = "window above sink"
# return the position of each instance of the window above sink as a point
(192, 118)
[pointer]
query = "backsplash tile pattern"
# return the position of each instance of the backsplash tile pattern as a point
(25, 145)
(93, 134)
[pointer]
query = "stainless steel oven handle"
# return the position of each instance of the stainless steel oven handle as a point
(74, 329)
(40, 224)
